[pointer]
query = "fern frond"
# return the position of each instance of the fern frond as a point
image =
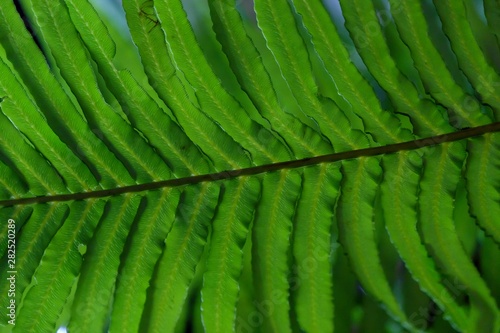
(249, 169)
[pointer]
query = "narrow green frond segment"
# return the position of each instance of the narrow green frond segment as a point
(100, 269)
(351, 87)
(55, 26)
(184, 247)
(471, 59)
(225, 259)
(245, 308)
(296, 69)
(19, 108)
(355, 217)
(400, 189)
(437, 195)
(20, 214)
(271, 238)
(12, 183)
(167, 80)
(483, 182)
(247, 64)
(426, 118)
(144, 247)
(438, 81)
(41, 177)
(467, 230)
(182, 156)
(312, 248)
(275, 19)
(213, 99)
(10, 254)
(156, 60)
(53, 101)
(31, 243)
(58, 269)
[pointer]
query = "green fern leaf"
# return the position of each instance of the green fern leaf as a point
(266, 166)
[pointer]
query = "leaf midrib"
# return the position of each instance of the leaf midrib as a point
(251, 171)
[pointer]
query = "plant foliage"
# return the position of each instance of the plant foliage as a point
(264, 170)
